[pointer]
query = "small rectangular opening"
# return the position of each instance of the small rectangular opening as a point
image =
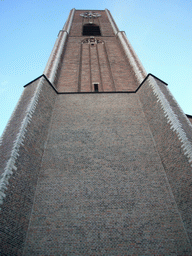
(96, 88)
(91, 30)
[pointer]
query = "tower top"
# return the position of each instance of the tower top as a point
(90, 53)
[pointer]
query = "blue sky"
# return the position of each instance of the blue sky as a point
(160, 32)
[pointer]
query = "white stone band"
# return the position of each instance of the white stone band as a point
(57, 57)
(113, 24)
(46, 71)
(140, 73)
(53, 62)
(68, 23)
(172, 119)
(10, 166)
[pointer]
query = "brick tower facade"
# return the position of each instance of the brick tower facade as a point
(96, 157)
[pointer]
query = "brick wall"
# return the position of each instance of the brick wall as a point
(102, 188)
(68, 77)
(104, 63)
(172, 133)
(122, 72)
(12, 129)
(21, 153)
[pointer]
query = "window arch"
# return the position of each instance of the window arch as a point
(91, 30)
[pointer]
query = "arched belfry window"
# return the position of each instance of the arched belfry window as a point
(91, 30)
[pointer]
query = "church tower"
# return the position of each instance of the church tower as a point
(96, 158)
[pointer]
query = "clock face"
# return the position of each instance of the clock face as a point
(90, 15)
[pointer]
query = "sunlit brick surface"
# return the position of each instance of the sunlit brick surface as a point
(103, 63)
(106, 65)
